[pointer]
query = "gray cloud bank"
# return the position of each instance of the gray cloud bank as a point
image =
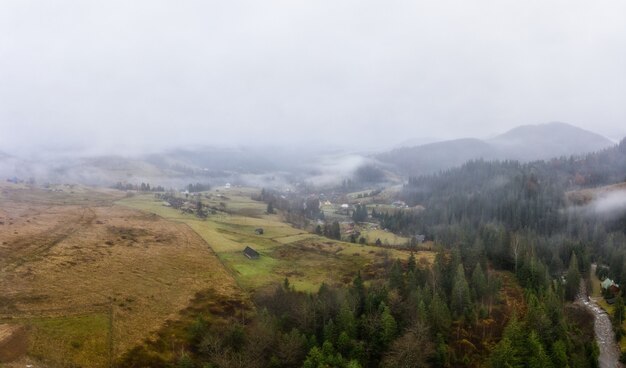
(140, 75)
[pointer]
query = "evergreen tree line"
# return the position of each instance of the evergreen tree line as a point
(448, 315)
(143, 187)
(296, 210)
(198, 187)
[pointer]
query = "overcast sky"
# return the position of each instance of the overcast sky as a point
(116, 74)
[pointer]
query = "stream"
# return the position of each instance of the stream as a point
(609, 350)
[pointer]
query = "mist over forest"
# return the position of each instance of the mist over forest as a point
(319, 184)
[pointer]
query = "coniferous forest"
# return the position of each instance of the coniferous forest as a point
(514, 248)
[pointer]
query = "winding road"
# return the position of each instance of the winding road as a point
(609, 350)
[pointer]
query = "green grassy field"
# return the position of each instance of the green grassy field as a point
(387, 238)
(71, 340)
(286, 252)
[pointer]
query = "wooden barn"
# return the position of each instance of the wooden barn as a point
(251, 253)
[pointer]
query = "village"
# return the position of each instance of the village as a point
(355, 213)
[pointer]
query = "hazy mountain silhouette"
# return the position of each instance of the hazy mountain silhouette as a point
(524, 143)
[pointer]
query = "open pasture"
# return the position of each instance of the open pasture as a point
(306, 259)
(61, 252)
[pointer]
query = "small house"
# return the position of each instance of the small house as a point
(259, 231)
(610, 290)
(607, 283)
(614, 289)
(251, 253)
(399, 204)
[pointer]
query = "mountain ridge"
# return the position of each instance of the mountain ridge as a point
(522, 143)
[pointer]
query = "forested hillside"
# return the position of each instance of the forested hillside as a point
(511, 253)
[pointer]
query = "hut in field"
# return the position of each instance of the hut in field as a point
(251, 253)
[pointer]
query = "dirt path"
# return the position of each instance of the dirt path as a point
(609, 350)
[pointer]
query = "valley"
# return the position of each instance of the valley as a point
(89, 273)
(312, 184)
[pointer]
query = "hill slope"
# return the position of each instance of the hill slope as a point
(536, 142)
(524, 143)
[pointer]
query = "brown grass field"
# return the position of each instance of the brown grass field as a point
(67, 259)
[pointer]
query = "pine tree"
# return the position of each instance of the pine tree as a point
(421, 311)
(537, 357)
(559, 354)
(460, 302)
(479, 282)
(389, 325)
(572, 285)
(396, 277)
(358, 290)
(411, 265)
(346, 322)
(440, 315)
(335, 231)
(503, 355)
(618, 317)
(510, 352)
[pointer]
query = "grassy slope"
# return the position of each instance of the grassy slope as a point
(307, 259)
(65, 252)
(70, 339)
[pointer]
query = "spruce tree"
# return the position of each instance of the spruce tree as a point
(617, 319)
(479, 282)
(572, 284)
(460, 302)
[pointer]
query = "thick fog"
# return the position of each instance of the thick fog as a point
(609, 205)
(118, 76)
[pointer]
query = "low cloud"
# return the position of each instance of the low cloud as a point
(611, 204)
(607, 206)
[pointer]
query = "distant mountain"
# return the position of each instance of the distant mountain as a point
(261, 166)
(535, 142)
(419, 141)
(524, 143)
(433, 157)
(251, 160)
